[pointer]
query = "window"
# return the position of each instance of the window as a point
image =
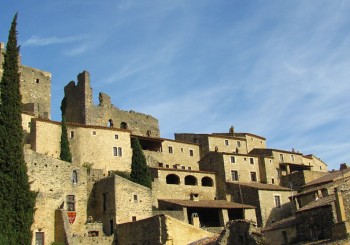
(272, 180)
(251, 160)
(39, 238)
(233, 159)
(117, 151)
(190, 180)
(245, 159)
(270, 161)
(167, 165)
(160, 164)
(70, 203)
(170, 149)
(93, 132)
(172, 179)
(226, 142)
(135, 198)
(111, 227)
(182, 149)
(238, 143)
(71, 134)
(191, 153)
(37, 80)
(207, 181)
(133, 218)
(183, 167)
(253, 176)
(277, 201)
(292, 157)
(234, 175)
(116, 136)
(281, 157)
(189, 168)
(105, 200)
(320, 167)
(74, 177)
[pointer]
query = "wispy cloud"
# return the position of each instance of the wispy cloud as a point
(45, 41)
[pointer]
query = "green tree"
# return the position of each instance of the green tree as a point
(65, 154)
(139, 170)
(16, 200)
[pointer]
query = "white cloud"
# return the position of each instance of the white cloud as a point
(44, 41)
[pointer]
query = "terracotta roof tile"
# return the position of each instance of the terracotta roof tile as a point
(207, 204)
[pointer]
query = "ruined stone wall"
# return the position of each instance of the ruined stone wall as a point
(53, 180)
(80, 109)
(88, 144)
(162, 190)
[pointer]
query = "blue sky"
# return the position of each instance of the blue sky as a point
(279, 69)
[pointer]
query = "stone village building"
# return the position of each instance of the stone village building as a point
(199, 181)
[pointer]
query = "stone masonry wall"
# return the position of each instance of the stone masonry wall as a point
(117, 200)
(35, 87)
(162, 190)
(96, 145)
(52, 179)
(179, 155)
(133, 201)
(320, 220)
(160, 229)
(80, 109)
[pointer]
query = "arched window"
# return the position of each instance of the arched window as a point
(124, 125)
(74, 177)
(207, 181)
(190, 180)
(172, 179)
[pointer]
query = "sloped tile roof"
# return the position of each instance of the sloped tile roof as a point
(329, 177)
(207, 204)
(324, 201)
(284, 223)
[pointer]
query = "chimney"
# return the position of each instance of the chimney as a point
(232, 130)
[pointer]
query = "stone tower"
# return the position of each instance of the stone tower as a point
(81, 109)
(35, 87)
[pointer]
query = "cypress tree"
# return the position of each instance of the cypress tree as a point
(65, 154)
(139, 170)
(16, 200)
